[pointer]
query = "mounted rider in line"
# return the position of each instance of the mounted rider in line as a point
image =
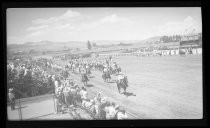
(106, 74)
(120, 77)
(122, 82)
(87, 70)
(84, 76)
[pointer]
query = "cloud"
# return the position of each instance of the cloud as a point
(111, 19)
(53, 26)
(32, 28)
(66, 16)
(70, 14)
(105, 22)
(37, 33)
(115, 19)
(65, 26)
(180, 27)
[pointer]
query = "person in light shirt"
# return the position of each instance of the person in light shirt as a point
(12, 98)
(56, 83)
(84, 94)
(121, 114)
(120, 76)
(111, 112)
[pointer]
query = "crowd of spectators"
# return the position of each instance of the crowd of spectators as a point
(69, 94)
(31, 77)
(35, 77)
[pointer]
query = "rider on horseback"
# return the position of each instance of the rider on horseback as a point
(120, 77)
(115, 65)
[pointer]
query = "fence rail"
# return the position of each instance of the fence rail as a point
(32, 107)
(164, 52)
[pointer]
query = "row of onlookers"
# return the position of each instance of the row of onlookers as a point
(69, 94)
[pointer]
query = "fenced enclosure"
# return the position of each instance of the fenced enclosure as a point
(33, 107)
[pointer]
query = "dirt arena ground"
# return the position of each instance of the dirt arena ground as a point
(167, 87)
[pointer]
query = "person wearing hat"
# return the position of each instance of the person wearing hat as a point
(88, 104)
(58, 101)
(84, 94)
(111, 112)
(73, 94)
(120, 76)
(92, 107)
(103, 105)
(121, 114)
(97, 100)
(12, 98)
(78, 96)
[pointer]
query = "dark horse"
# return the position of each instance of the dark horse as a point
(123, 83)
(106, 76)
(116, 70)
(85, 79)
(182, 52)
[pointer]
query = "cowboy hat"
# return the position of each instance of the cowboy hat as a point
(11, 89)
(103, 99)
(117, 107)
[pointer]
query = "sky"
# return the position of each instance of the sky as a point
(82, 24)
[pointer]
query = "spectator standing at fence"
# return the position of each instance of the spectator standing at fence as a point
(103, 105)
(73, 94)
(58, 100)
(78, 96)
(97, 101)
(84, 94)
(121, 114)
(12, 98)
(111, 111)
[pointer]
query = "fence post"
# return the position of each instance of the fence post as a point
(20, 112)
(54, 103)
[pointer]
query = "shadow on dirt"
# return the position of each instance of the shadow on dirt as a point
(111, 82)
(89, 85)
(91, 76)
(128, 94)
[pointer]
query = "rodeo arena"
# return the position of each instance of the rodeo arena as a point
(153, 82)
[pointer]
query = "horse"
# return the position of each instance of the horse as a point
(84, 79)
(182, 52)
(106, 76)
(118, 70)
(88, 71)
(123, 83)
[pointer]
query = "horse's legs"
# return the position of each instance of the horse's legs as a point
(124, 89)
(118, 88)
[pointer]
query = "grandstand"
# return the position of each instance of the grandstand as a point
(191, 40)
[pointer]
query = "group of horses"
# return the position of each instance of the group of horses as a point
(106, 75)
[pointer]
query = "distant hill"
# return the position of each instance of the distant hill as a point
(46, 45)
(50, 45)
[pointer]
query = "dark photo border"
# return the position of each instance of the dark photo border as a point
(101, 123)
